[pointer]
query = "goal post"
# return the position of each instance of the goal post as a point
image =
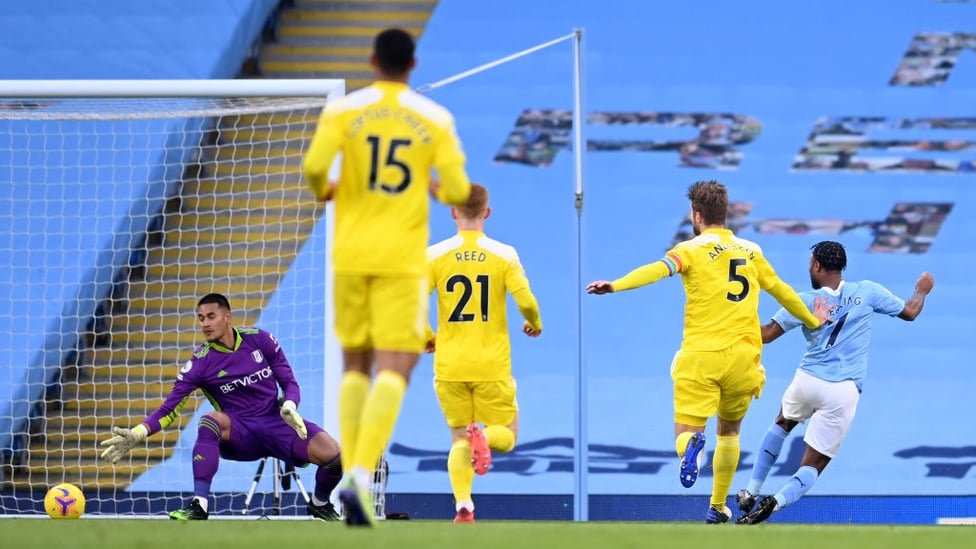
(121, 203)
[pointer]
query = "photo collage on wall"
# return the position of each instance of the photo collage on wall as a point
(910, 227)
(930, 58)
(836, 143)
(714, 147)
(539, 134)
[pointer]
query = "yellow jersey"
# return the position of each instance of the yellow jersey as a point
(472, 275)
(722, 275)
(390, 138)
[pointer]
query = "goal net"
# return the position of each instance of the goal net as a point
(121, 204)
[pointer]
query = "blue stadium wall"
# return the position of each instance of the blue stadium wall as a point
(762, 97)
(52, 293)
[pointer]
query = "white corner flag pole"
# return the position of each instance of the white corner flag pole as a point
(581, 507)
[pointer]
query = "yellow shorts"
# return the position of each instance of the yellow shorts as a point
(722, 383)
(488, 402)
(383, 312)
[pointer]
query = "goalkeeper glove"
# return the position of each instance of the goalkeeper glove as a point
(123, 441)
(291, 417)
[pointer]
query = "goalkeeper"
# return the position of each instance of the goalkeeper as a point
(239, 370)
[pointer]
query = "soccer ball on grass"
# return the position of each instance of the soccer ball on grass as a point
(64, 501)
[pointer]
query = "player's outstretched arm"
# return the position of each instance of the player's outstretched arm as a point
(641, 276)
(122, 441)
(600, 287)
(915, 304)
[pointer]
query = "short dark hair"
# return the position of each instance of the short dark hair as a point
(831, 255)
(219, 299)
(394, 50)
(711, 199)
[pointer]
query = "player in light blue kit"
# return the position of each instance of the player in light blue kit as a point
(828, 383)
(240, 371)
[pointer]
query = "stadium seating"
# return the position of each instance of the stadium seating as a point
(324, 39)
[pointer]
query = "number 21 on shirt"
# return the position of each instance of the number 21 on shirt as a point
(463, 286)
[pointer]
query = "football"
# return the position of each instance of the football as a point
(64, 501)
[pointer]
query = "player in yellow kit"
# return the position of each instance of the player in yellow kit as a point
(717, 371)
(472, 275)
(390, 139)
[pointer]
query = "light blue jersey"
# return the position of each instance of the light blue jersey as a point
(839, 350)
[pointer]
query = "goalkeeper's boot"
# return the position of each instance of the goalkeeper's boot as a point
(325, 512)
(691, 461)
(464, 515)
(763, 511)
(193, 511)
(718, 516)
(357, 503)
(480, 452)
(746, 500)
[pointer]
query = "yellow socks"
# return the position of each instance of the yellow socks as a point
(681, 443)
(460, 472)
(723, 468)
(380, 412)
(500, 438)
(352, 394)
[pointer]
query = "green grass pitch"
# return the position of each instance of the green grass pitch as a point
(147, 534)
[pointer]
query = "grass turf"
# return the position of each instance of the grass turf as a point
(147, 534)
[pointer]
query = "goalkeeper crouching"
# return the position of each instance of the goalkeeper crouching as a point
(240, 371)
